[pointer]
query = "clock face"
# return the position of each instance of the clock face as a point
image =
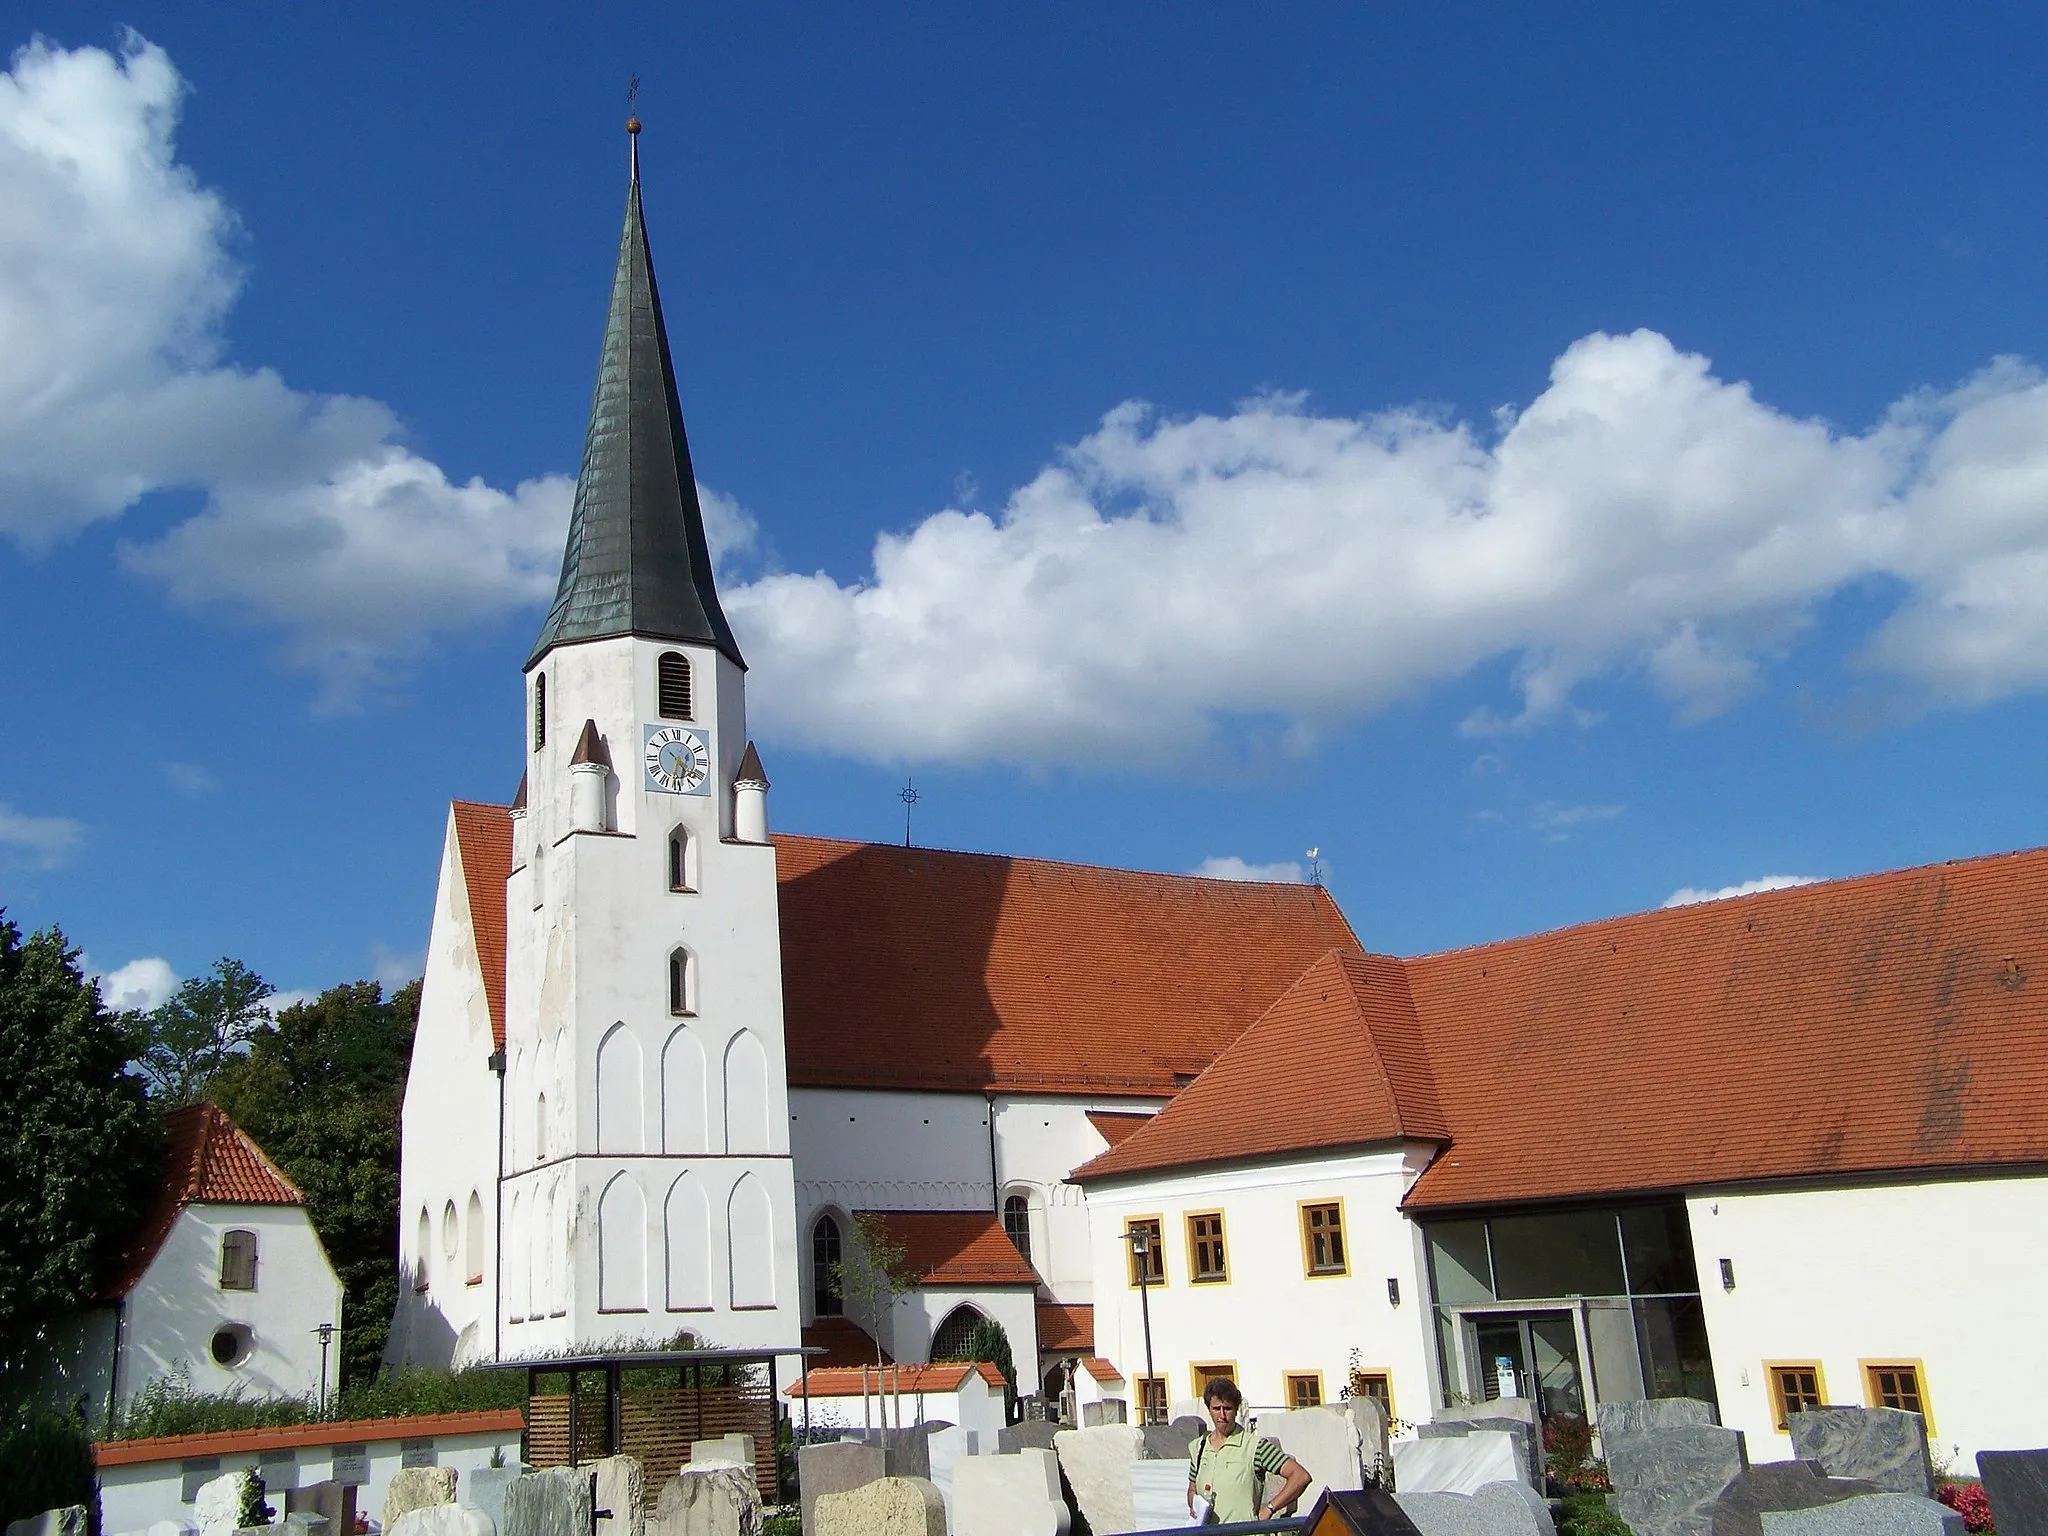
(677, 760)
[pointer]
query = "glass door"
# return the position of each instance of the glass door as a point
(1533, 1355)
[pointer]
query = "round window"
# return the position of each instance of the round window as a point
(229, 1345)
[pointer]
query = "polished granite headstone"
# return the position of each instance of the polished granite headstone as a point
(2017, 1484)
(1780, 1485)
(1876, 1514)
(1667, 1481)
(551, 1503)
(1496, 1509)
(1882, 1445)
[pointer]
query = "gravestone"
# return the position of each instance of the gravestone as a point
(837, 1467)
(1648, 1413)
(1779, 1485)
(1528, 1440)
(1495, 1408)
(1189, 1408)
(622, 1490)
(1162, 1442)
(485, 1488)
(1159, 1495)
(551, 1503)
(1097, 1462)
(712, 1501)
(1032, 1434)
(1325, 1443)
(218, 1504)
(1108, 1410)
(337, 1501)
(417, 1488)
(1496, 1509)
(1014, 1495)
(735, 1449)
(2016, 1482)
(443, 1520)
(1456, 1463)
(946, 1448)
(1875, 1514)
(889, 1506)
(68, 1521)
(307, 1522)
(1187, 1429)
(1369, 1417)
(169, 1528)
(1666, 1481)
(1881, 1445)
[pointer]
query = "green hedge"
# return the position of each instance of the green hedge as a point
(169, 1407)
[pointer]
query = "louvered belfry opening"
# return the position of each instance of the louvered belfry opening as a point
(672, 686)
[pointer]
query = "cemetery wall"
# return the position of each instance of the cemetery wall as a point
(145, 1481)
(1271, 1318)
(1946, 1274)
(974, 1406)
(178, 1304)
(447, 1148)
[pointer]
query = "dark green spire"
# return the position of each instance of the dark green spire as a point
(636, 562)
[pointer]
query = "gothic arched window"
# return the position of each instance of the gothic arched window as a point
(955, 1335)
(682, 982)
(474, 1261)
(672, 686)
(825, 1253)
(682, 861)
(423, 1237)
(540, 710)
(1017, 1223)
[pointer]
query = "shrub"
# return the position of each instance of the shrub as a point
(1586, 1514)
(169, 1406)
(46, 1463)
(254, 1511)
(1968, 1500)
(1568, 1456)
(407, 1392)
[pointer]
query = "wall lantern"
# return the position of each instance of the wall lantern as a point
(1393, 1291)
(1727, 1274)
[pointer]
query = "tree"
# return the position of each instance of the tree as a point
(319, 1089)
(81, 1147)
(878, 1270)
(195, 1032)
(989, 1342)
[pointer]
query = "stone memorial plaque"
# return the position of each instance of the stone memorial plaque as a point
(417, 1453)
(352, 1465)
(2016, 1482)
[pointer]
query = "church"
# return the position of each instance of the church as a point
(1771, 1152)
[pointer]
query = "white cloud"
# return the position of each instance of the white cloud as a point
(1558, 822)
(190, 778)
(393, 969)
(1231, 867)
(140, 984)
(1688, 895)
(47, 841)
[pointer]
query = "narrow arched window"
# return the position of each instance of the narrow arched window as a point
(682, 983)
(672, 686)
(423, 1237)
(682, 861)
(540, 710)
(449, 1233)
(540, 1129)
(1017, 1223)
(825, 1268)
(238, 1261)
(474, 1255)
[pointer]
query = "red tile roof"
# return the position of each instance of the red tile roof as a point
(1011, 974)
(207, 1160)
(483, 837)
(1338, 1061)
(957, 1248)
(1023, 974)
(1890, 1022)
(1113, 1128)
(845, 1381)
(224, 1442)
(1101, 1369)
(1064, 1329)
(844, 1341)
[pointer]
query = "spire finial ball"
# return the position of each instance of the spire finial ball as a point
(633, 125)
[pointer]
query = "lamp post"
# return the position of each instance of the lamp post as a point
(326, 1332)
(1141, 1254)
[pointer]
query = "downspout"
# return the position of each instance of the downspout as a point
(496, 1062)
(995, 1187)
(114, 1366)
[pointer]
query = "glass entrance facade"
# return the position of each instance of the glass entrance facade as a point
(1532, 1304)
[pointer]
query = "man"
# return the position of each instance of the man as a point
(1224, 1466)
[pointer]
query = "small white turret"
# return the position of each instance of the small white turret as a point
(590, 771)
(750, 799)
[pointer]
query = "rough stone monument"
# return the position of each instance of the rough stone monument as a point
(1014, 1495)
(837, 1467)
(218, 1504)
(1666, 1481)
(1496, 1509)
(2016, 1482)
(1369, 1416)
(708, 1501)
(1325, 1443)
(68, 1521)
(443, 1520)
(1876, 1514)
(621, 1495)
(551, 1503)
(889, 1506)
(1458, 1463)
(485, 1488)
(417, 1488)
(1097, 1464)
(1779, 1485)
(1108, 1410)
(1881, 1445)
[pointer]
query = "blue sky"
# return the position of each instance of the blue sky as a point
(1543, 458)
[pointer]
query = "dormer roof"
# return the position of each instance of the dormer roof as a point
(636, 561)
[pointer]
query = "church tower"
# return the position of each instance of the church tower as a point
(647, 1180)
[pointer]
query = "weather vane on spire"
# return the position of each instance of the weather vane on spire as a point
(633, 121)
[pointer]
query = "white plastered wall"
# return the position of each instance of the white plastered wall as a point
(447, 1142)
(1271, 1318)
(1946, 1273)
(178, 1304)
